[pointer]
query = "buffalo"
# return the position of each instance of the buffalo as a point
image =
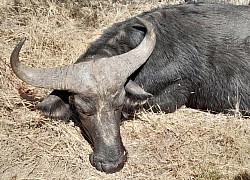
(196, 55)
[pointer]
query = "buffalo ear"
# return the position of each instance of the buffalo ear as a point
(56, 105)
(136, 92)
(136, 97)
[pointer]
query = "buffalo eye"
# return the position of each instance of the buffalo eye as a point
(83, 105)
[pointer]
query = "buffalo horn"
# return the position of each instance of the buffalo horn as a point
(38, 77)
(117, 67)
(125, 64)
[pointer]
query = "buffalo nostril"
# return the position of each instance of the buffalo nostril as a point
(108, 167)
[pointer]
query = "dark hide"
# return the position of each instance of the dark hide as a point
(245, 2)
(201, 60)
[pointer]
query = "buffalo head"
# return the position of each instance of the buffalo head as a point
(98, 90)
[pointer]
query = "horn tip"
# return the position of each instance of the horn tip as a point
(20, 44)
(144, 21)
(148, 25)
(23, 39)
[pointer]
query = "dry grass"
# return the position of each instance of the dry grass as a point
(187, 144)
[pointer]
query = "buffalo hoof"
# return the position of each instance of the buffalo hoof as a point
(108, 166)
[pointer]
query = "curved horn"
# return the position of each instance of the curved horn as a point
(62, 77)
(39, 77)
(133, 59)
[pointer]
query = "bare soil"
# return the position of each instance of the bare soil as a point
(187, 144)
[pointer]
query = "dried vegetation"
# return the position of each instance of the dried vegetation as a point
(187, 144)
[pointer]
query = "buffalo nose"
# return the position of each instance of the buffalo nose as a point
(107, 166)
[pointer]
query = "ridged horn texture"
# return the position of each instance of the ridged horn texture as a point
(38, 77)
(125, 64)
(64, 77)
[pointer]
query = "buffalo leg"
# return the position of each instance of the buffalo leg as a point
(171, 98)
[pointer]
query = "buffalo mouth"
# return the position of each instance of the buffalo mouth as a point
(108, 166)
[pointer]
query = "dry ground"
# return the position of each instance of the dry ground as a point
(187, 144)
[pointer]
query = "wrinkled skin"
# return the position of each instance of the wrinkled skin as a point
(109, 153)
